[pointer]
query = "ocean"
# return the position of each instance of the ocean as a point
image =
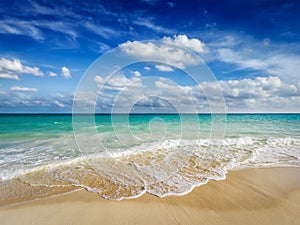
(124, 156)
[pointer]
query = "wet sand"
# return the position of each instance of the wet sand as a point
(250, 196)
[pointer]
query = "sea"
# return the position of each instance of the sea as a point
(124, 156)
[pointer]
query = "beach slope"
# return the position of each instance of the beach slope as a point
(249, 196)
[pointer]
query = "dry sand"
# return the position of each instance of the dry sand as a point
(251, 196)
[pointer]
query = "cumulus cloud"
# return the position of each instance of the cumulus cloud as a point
(136, 73)
(25, 89)
(33, 70)
(164, 68)
(167, 51)
(119, 81)
(15, 67)
(258, 88)
(65, 72)
(18, 101)
(99, 79)
(259, 94)
(190, 43)
(52, 74)
(11, 65)
(147, 68)
(9, 76)
(262, 94)
(83, 100)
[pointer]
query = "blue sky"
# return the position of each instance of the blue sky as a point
(251, 47)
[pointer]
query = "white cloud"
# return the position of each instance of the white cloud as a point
(119, 82)
(259, 94)
(99, 79)
(183, 41)
(166, 52)
(25, 89)
(85, 98)
(58, 104)
(32, 28)
(65, 72)
(33, 70)
(264, 56)
(164, 68)
(260, 87)
(15, 66)
(21, 99)
(11, 65)
(9, 76)
(136, 73)
(262, 94)
(66, 26)
(147, 68)
(104, 32)
(230, 56)
(19, 27)
(150, 25)
(166, 85)
(156, 95)
(102, 47)
(279, 64)
(52, 74)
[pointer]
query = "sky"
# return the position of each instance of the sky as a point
(51, 52)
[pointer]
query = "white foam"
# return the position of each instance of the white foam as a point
(224, 154)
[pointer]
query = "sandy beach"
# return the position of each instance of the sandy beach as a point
(249, 196)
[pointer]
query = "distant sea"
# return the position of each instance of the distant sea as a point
(122, 156)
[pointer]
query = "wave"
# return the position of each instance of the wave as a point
(164, 167)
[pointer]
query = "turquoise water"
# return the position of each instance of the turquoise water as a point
(159, 154)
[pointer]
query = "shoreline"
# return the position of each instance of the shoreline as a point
(44, 192)
(252, 196)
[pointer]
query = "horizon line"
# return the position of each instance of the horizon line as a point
(204, 113)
